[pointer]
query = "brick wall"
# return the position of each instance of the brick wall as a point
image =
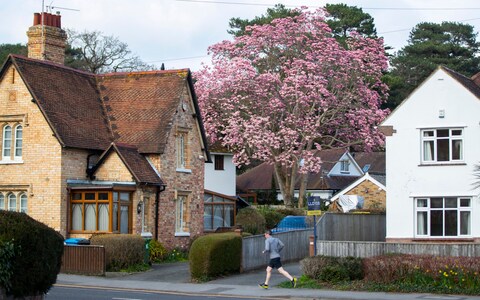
(374, 196)
(181, 182)
(39, 174)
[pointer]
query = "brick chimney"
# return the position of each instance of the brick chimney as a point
(46, 38)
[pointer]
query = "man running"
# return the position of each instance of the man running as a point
(273, 246)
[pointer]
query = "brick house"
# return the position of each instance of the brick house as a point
(108, 153)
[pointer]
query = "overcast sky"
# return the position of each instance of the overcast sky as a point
(178, 32)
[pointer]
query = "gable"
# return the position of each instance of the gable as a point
(440, 93)
(113, 169)
(353, 169)
(364, 182)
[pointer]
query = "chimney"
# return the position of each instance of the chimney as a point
(46, 38)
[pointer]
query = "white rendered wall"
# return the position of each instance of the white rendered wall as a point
(221, 181)
(406, 178)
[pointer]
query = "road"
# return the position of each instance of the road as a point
(82, 293)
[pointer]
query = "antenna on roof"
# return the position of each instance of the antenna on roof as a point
(50, 8)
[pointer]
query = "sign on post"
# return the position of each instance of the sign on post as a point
(314, 204)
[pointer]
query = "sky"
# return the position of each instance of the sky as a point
(179, 32)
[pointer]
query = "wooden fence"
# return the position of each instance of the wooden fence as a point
(351, 227)
(369, 249)
(296, 248)
(84, 259)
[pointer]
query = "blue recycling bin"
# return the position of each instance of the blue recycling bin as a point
(77, 241)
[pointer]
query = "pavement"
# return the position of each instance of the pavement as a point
(175, 278)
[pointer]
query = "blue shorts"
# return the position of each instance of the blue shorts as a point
(275, 263)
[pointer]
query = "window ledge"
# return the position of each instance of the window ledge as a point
(181, 170)
(182, 233)
(444, 240)
(442, 164)
(10, 162)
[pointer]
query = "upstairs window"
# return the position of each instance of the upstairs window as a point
(345, 166)
(219, 159)
(182, 150)
(442, 145)
(12, 202)
(18, 141)
(2, 202)
(7, 143)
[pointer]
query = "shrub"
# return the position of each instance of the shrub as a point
(445, 273)
(38, 251)
(291, 211)
(7, 253)
(251, 220)
(332, 269)
(121, 250)
(214, 255)
(158, 252)
(272, 216)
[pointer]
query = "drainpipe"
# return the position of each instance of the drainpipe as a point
(160, 188)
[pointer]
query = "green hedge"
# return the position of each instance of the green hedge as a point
(38, 251)
(332, 269)
(214, 255)
(121, 250)
(251, 220)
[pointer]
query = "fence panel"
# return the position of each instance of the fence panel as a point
(369, 249)
(85, 260)
(296, 248)
(351, 227)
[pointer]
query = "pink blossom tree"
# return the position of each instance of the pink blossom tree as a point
(287, 88)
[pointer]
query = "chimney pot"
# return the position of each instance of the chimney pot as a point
(37, 19)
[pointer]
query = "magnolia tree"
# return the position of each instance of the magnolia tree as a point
(287, 88)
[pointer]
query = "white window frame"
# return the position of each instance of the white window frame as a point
(427, 208)
(18, 142)
(2, 201)
(7, 141)
(182, 152)
(181, 209)
(345, 166)
(433, 142)
(23, 203)
(12, 197)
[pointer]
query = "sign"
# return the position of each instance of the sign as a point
(314, 205)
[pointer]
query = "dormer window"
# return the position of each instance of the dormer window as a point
(345, 166)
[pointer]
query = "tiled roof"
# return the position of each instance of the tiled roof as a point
(138, 165)
(376, 160)
(69, 101)
(468, 83)
(91, 111)
(141, 106)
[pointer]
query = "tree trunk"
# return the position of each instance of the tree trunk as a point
(286, 182)
(302, 191)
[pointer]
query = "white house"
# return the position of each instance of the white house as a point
(220, 176)
(432, 146)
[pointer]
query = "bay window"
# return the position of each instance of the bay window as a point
(101, 211)
(219, 211)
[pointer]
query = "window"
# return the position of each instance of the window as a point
(12, 143)
(218, 212)
(219, 162)
(2, 202)
(23, 203)
(182, 150)
(345, 166)
(182, 215)
(442, 145)
(7, 142)
(101, 211)
(18, 141)
(443, 216)
(12, 202)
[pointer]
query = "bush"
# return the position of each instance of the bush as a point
(38, 251)
(251, 220)
(7, 254)
(121, 250)
(292, 211)
(272, 216)
(332, 269)
(214, 255)
(158, 253)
